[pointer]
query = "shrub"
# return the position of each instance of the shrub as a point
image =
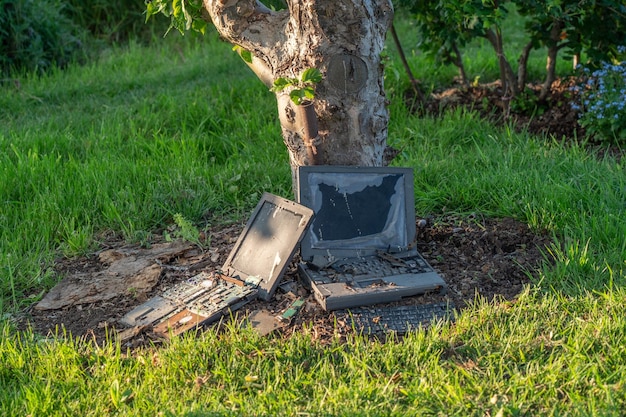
(116, 21)
(577, 27)
(35, 35)
(602, 104)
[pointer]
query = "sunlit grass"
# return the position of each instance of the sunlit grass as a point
(541, 354)
(127, 143)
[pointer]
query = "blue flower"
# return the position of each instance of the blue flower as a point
(602, 96)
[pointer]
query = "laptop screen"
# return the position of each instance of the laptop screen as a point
(357, 209)
(268, 242)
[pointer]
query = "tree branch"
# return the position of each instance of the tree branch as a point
(252, 26)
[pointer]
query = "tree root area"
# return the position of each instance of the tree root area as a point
(488, 259)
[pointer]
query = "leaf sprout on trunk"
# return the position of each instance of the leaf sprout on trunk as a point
(302, 88)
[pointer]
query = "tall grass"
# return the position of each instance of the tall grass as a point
(463, 164)
(122, 145)
(541, 355)
(125, 143)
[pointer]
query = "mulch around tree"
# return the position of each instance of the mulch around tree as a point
(477, 257)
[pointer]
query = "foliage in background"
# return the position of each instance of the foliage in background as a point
(444, 28)
(592, 28)
(602, 103)
(595, 29)
(36, 35)
(116, 22)
(440, 32)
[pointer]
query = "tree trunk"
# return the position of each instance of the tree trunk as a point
(522, 67)
(457, 60)
(507, 76)
(341, 38)
(553, 50)
(414, 83)
(550, 72)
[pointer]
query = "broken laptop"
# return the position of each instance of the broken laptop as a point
(360, 247)
(253, 270)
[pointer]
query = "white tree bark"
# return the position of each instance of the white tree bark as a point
(341, 38)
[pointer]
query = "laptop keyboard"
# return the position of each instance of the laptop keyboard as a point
(399, 319)
(188, 290)
(221, 296)
(370, 267)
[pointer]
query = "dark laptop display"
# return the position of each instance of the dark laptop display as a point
(357, 209)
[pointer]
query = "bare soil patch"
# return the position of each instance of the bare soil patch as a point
(490, 258)
(551, 116)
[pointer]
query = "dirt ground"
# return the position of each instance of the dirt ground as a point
(552, 116)
(490, 258)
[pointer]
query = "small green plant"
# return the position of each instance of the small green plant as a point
(186, 230)
(602, 106)
(526, 102)
(184, 14)
(119, 397)
(302, 87)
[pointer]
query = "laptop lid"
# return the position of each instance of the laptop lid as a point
(358, 210)
(268, 243)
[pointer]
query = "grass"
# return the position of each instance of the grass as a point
(539, 355)
(117, 146)
(145, 135)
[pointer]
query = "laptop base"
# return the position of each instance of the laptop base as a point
(381, 278)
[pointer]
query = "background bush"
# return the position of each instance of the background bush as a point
(571, 27)
(115, 22)
(602, 100)
(36, 35)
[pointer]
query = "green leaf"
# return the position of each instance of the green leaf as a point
(281, 83)
(114, 393)
(246, 56)
(199, 26)
(297, 96)
(309, 92)
(186, 16)
(311, 75)
(127, 396)
(151, 9)
(176, 8)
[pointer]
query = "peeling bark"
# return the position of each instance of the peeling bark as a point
(341, 38)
